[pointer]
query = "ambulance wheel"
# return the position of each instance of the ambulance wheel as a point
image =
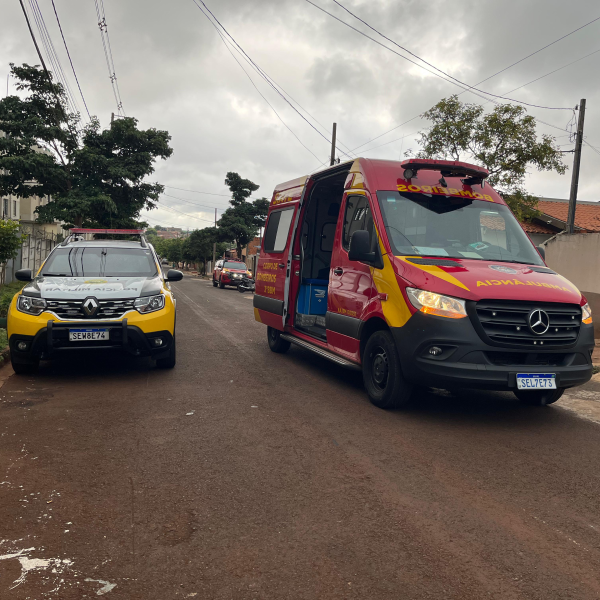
(215, 284)
(539, 397)
(25, 368)
(221, 285)
(169, 361)
(382, 373)
(275, 342)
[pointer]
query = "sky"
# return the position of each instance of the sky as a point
(175, 73)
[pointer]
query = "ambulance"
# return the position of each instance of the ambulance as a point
(418, 274)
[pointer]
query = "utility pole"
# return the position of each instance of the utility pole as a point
(576, 165)
(112, 118)
(332, 161)
(214, 245)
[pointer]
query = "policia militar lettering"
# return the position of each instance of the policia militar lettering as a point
(102, 293)
(418, 274)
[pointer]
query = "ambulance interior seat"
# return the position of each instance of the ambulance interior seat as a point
(318, 233)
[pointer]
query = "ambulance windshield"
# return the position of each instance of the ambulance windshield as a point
(439, 225)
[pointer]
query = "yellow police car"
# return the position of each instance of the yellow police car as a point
(93, 294)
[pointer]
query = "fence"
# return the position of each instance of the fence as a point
(32, 253)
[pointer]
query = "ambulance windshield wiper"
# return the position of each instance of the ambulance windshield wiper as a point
(508, 260)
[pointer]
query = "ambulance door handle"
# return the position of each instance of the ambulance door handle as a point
(338, 271)
(281, 266)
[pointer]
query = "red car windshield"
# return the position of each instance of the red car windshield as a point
(235, 265)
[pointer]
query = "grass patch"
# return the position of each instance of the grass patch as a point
(595, 369)
(7, 293)
(3, 339)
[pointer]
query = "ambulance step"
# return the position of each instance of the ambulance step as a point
(321, 352)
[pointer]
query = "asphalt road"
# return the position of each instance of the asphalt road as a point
(243, 474)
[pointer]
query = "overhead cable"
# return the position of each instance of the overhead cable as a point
(108, 55)
(70, 60)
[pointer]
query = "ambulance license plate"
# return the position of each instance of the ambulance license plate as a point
(85, 335)
(536, 381)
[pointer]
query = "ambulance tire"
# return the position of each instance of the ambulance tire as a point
(215, 284)
(275, 342)
(169, 361)
(221, 285)
(25, 368)
(382, 373)
(539, 397)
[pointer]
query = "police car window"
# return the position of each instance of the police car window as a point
(100, 262)
(356, 217)
(278, 229)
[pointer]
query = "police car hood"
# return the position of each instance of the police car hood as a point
(103, 288)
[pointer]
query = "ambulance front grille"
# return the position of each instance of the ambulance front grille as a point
(506, 322)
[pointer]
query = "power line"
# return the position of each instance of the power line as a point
(108, 55)
(197, 192)
(70, 60)
(269, 81)
(195, 203)
(445, 76)
(185, 214)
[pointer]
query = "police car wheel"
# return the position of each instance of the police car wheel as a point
(169, 361)
(539, 397)
(382, 373)
(275, 342)
(25, 368)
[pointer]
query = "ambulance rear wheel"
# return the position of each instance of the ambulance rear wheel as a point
(275, 342)
(539, 397)
(382, 373)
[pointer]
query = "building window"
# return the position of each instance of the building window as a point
(15, 208)
(5, 213)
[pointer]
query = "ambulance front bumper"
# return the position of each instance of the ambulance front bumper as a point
(449, 353)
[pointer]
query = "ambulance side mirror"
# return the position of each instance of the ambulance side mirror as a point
(542, 251)
(360, 247)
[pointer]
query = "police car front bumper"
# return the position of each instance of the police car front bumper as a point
(54, 338)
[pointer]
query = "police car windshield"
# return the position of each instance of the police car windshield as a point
(440, 225)
(100, 262)
(235, 265)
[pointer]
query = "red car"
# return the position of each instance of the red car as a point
(228, 272)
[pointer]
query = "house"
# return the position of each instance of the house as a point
(553, 219)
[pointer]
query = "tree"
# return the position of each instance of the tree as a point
(10, 242)
(504, 141)
(174, 250)
(242, 221)
(95, 177)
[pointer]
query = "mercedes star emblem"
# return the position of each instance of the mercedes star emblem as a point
(90, 306)
(539, 321)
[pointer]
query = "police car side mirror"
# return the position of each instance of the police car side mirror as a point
(360, 247)
(24, 275)
(542, 251)
(173, 275)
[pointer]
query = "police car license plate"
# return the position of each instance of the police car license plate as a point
(85, 335)
(536, 381)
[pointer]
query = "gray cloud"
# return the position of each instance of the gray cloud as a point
(175, 73)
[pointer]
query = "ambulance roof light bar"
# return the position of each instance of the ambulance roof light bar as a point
(75, 231)
(473, 174)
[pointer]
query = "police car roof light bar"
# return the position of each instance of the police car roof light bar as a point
(79, 230)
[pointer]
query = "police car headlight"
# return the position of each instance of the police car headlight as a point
(435, 304)
(586, 314)
(31, 306)
(149, 304)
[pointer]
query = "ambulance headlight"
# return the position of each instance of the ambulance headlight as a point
(149, 304)
(31, 306)
(435, 304)
(586, 314)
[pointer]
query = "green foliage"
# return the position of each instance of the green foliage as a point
(95, 178)
(504, 141)
(242, 221)
(174, 250)
(10, 240)
(3, 342)
(7, 293)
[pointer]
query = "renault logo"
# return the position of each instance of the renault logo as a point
(90, 306)
(539, 321)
